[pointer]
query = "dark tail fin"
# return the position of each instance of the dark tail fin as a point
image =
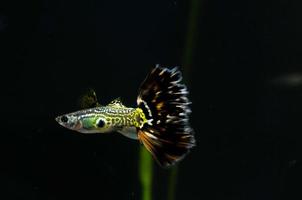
(167, 135)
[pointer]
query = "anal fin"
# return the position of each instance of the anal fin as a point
(129, 132)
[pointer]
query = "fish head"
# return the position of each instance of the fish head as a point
(70, 121)
(85, 121)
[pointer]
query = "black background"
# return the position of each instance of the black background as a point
(246, 114)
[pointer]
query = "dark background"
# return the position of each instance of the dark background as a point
(244, 79)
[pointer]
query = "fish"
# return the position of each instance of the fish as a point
(160, 121)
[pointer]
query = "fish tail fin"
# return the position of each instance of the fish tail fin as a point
(167, 134)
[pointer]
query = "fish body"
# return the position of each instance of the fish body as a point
(160, 121)
(103, 119)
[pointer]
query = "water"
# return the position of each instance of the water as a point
(232, 54)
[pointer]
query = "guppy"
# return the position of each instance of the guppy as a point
(160, 121)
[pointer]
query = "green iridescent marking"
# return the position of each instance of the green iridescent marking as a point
(89, 122)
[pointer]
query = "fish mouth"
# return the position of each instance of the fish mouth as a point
(59, 120)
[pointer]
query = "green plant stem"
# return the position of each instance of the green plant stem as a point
(145, 173)
(172, 183)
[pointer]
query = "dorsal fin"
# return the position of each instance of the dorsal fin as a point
(116, 103)
(88, 99)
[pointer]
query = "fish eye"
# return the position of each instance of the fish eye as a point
(64, 119)
(100, 123)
